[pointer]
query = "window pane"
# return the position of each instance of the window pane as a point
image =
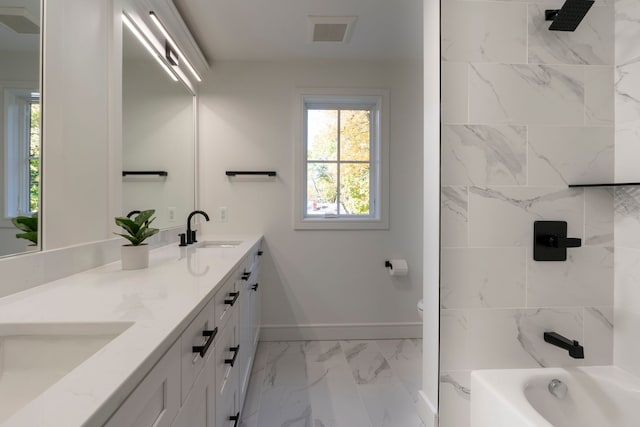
(354, 189)
(354, 135)
(322, 188)
(34, 124)
(322, 135)
(34, 158)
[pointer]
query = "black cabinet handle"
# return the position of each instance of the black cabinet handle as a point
(246, 275)
(234, 297)
(260, 253)
(235, 351)
(255, 287)
(202, 349)
(235, 418)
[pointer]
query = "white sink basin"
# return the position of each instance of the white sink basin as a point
(220, 244)
(33, 357)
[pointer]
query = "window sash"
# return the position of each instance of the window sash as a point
(373, 162)
(17, 117)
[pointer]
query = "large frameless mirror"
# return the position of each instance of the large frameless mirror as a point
(158, 137)
(20, 123)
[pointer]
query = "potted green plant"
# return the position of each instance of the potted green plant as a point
(29, 226)
(136, 254)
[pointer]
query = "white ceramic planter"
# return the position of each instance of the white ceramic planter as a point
(135, 257)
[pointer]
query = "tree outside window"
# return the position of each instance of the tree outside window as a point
(339, 161)
(34, 155)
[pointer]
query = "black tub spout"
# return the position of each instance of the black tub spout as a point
(573, 347)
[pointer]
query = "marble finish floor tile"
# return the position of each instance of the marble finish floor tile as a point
(334, 384)
(368, 365)
(405, 358)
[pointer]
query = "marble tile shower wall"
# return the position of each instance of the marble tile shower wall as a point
(525, 112)
(627, 199)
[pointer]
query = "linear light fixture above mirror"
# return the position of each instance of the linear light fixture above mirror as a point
(173, 44)
(136, 32)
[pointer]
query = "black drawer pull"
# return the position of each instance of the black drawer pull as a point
(235, 351)
(202, 349)
(255, 287)
(235, 418)
(260, 253)
(234, 296)
(246, 275)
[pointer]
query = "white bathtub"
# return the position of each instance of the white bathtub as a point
(598, 396)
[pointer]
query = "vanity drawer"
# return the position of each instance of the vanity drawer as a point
(227, 376)
(156, 400)
(253, 259)
(197, 346)
(227, 356)
(228, 404)
(195, 411)
(226, 299)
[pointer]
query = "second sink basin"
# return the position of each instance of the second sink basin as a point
(33, 357)
(222, 244)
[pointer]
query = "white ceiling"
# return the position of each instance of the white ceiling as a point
(12, 41)
(277, 29)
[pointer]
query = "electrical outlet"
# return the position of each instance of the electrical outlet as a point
(222, 213)
(172, 214)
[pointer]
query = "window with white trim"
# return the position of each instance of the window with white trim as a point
(22, 151)
(341, 170)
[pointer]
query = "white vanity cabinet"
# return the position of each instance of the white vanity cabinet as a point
(249, 316)
(198, 347)
(227, 364)
(195, 411)
(156, 400)
(202, 380)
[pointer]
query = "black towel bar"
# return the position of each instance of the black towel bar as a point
(234, 173)
(159, 173)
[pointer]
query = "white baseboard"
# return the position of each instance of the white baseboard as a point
(426, 410)
(346, 331)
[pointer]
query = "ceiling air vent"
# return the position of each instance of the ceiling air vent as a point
(331, 28)
(19, 20)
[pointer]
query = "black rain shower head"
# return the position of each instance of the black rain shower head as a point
(569, 16)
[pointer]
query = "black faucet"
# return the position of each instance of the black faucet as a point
(573, 347)
(191, 234)
(132, 213)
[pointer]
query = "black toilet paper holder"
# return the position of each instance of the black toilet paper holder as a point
(388, 264)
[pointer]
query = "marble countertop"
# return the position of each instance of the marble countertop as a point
(158, 302)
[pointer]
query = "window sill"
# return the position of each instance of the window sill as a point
(341, 224)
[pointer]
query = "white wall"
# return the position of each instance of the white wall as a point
(627, 199)
(313, 278)
(20, 66)
(76, 122)
(157, 134)
(76, 163)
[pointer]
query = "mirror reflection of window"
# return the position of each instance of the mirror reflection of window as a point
(20, 121)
